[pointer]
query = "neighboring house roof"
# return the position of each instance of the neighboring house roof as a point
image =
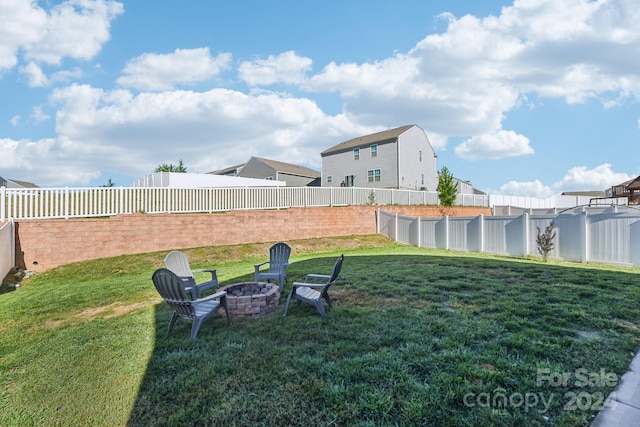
(289, 168)
(363, 141)
(634, 184)
(225, 171)
(623, 189)
(283, 167)
(17, 183)
(584, 193)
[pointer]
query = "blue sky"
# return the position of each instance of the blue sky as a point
(531, 97)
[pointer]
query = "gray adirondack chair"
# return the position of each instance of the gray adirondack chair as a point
(172, 290)
(178, 262)
(315, 288)
(277, 265)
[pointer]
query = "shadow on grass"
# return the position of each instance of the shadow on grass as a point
(411, 340)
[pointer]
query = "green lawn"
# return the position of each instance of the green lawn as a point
(415, 337)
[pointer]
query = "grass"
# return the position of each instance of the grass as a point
(415, 337)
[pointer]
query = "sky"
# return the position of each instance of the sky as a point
(527, 98)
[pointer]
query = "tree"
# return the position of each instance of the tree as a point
(181, 168)
(544, 241)
(109, 183)
(447, 189)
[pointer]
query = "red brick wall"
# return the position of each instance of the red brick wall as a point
(43, 244)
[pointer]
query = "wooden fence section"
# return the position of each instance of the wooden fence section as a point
(44, 203)
(608, 236)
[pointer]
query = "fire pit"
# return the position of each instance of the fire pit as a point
(251, 299)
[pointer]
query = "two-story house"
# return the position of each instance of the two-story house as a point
(396, 158)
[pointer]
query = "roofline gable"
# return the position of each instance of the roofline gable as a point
(367, 140)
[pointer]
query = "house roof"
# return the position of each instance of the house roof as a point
(634, 184)
(227, 170)
(594, 193)
(366, 140)
(289, 168)
(276, 165)
(22, 184)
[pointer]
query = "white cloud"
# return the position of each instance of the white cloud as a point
(14, 120)
(494, 146)
(35, 75)
(464, 81)
(157, 72)
(582, 178)
(288, 68)
(118, 130)
(527, 189)
(73, 29)
(38, 114)
(579, 178)
(22, 25)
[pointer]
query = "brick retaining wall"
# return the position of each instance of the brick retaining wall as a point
(44, 244)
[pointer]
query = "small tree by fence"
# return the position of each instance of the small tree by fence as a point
(544, 241)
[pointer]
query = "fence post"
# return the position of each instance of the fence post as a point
(481, 233)
(446, 232)
(526, 230)
(3, 202)
(66, 202)
(396, 226)
(584, 237)
(419, 233)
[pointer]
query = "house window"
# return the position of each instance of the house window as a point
(329, 178)
(356, 154)
(349, 181)
(420, 156)
(269, 178)
(373, 175)
(422, 178)
(374, 150)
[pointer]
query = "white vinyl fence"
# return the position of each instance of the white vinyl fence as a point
(608, 235)
(7, 249)
(39, 203)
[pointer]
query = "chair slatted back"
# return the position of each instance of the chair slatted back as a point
(178, 262)
(336, 269)
(278, 255)
(171, 288)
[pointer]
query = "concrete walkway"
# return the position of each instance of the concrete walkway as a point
(622, 407)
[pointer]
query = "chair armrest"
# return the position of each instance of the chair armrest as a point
(207, 270)
(207, 285)
(309, 285)
(217, 295)
(260, 264)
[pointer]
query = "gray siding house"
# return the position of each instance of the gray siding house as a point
(396, 158)
(256, 167)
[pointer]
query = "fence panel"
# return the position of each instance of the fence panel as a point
(428, 232)
(105, 201)
(610, 237)
(613, 238)
(405, 229)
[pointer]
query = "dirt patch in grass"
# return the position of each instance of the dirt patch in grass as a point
(105, 312)
(112, 310)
